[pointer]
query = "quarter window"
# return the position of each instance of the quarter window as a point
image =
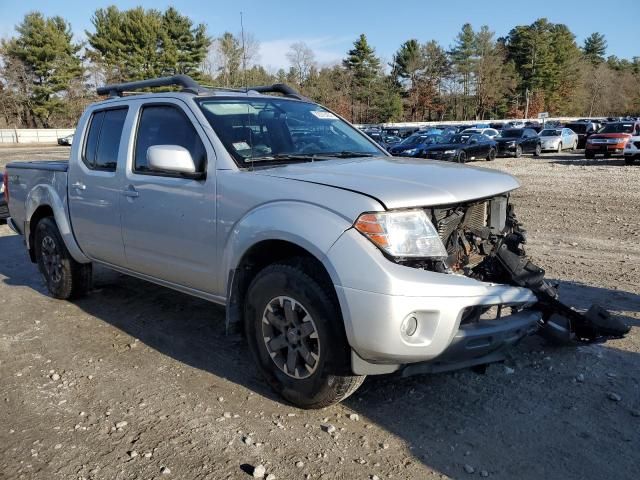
(166, 125)
(103, 139)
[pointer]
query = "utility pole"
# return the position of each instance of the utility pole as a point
(526, 108)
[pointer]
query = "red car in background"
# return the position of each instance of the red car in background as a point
(611, 139)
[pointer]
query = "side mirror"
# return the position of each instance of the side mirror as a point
(171, 158)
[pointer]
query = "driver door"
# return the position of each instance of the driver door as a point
(168, 221)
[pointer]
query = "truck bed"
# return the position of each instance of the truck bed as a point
(44, 181)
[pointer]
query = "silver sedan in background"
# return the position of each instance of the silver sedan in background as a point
(558, 139)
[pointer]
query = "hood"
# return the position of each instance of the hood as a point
(610, 135)
(401, 182)
(506, 139)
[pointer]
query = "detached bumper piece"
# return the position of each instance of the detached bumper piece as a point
(560, 322)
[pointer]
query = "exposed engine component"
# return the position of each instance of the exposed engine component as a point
(485, 241)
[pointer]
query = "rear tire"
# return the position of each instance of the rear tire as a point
(296, 336)
(65, 278)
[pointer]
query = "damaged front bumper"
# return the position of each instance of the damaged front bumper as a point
(377, 306)
(430, 316)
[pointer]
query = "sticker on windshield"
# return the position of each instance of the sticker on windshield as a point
(241, 146)
(322, 115)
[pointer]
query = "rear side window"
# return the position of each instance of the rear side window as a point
(103, 139)
(167, 125)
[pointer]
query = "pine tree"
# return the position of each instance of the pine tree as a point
(50, 61)
(463, 61)
(595, 47)
(137, 43)
(364, 68)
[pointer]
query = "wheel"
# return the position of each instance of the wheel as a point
(537, 151)
(518, 151)
(462, 157)
(589, 155)
(65, 278)
(492, 154)
(629, 160)
(560, 146)
(574, 147)
(296, 336)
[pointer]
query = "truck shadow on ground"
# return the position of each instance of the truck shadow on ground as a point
(531, 420)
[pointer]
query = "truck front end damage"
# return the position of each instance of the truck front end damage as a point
(485, 241)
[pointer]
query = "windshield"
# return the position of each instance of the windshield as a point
(513, 133)
(459, 138)
(617, 128)
(274, 129)
(550, 133)
(415, 139)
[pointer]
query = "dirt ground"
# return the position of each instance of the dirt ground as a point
(138, 382)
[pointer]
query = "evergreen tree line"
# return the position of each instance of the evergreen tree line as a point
(47, 78)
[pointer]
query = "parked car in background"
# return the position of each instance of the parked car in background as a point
(558, 139)
(496, 125)
(537, 126)
(4, 208)
(489, 132)
(462, 148)
(382, 139)
(632, 150)
(516, 141)
(514, 124)
(417, 146)
(66, 140)
(584, 130)
(402, 132)
(414, 145)
(611, 139)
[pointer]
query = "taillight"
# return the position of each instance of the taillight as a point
(5, 186)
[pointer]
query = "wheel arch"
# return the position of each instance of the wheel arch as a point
(43, 201)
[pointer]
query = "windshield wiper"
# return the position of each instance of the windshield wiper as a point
(347, 154)
(283, 157)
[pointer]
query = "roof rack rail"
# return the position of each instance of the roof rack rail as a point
(187, 83)
(282, 88)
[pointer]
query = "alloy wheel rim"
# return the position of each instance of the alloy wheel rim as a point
(291, 337)
(51, 259)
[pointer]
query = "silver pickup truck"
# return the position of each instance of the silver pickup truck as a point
(335, 259)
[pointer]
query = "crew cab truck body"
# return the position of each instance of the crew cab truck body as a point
(337, 259)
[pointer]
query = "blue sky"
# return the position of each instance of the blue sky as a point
(329, 27)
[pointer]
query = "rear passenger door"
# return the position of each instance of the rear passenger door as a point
(168, 221)
(94, 185)
(531, 140)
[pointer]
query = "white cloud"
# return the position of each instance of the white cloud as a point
(328, 50)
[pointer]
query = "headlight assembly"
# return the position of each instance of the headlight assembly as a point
(402, 233)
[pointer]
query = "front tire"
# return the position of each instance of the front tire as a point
(518, 153)
(65, 278)
(462, 157)
(492, 155)
(296, 336)
(537, 151)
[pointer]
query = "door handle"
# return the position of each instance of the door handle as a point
(130, 192)
(79, 186)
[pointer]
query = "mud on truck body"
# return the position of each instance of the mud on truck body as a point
(335, 259)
